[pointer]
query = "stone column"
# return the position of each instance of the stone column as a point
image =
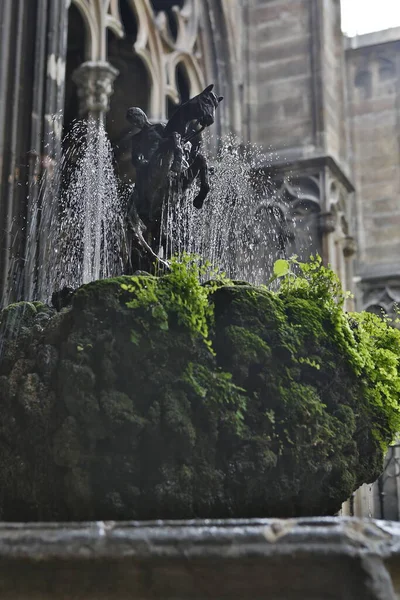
(52, 23)
(33, 43)
(94, 80)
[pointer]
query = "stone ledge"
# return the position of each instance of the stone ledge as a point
(375, 38)
(318, 558)
(222, 538)
(380, 271)
(302, 164)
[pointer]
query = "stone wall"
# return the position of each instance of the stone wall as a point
(282, 72)
(297, 114)
(373, 70)
(297, 63)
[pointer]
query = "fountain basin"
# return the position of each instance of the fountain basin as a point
(281, 559)
(117, 407)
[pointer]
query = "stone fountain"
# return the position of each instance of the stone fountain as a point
(162, 393)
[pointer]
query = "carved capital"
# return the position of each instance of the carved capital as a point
(327, 222)
(349, 246)
(94, 81)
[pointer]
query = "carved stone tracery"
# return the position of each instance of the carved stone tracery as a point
(381, 298)
(174, 50)
(298, 201)
(94, 78)
(160, 50)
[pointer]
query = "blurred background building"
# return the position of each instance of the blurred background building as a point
(325, 108)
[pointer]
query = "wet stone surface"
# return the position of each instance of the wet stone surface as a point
(318, 559)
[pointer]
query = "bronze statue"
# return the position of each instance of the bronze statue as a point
(166, 158)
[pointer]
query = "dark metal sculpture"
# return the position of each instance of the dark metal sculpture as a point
(166, 158)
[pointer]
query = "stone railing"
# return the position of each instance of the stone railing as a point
(316, 558)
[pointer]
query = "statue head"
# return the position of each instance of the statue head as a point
(137, 117)
(200, 108)
(207, 101)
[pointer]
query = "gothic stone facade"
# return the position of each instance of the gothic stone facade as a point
(323, 108)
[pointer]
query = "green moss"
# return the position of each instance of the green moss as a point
(177, 297)
(67, 447)
(20, 310)
(216, 390)
(105, 291)
(120, 411)
(174, 399)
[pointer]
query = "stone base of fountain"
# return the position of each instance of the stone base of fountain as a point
(116, 408)
(285, 560)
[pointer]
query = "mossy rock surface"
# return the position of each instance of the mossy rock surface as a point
(110, 413)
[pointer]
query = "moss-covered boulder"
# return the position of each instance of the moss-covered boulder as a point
(161, 398)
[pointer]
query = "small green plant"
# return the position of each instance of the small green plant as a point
(216, 388)
(179, 294)
(311, 280)
(378, 347)
(368, 343)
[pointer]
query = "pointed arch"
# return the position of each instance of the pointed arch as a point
(75, 55)
(86, 12)
(148, 46)
(184, 63)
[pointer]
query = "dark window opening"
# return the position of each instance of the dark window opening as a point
(183, 84)
(165, 5)
(128, 20)
(132, 87)
(75, 57)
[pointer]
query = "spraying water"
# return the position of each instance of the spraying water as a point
(78, 215)
(239, 229)
(77, 223)
(77, 219)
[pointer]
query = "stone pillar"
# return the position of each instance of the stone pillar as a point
(16, 75)
(49, 88)
(94, 80)
(32, 58)
(33, 40)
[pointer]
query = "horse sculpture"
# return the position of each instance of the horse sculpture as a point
(162, 155)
